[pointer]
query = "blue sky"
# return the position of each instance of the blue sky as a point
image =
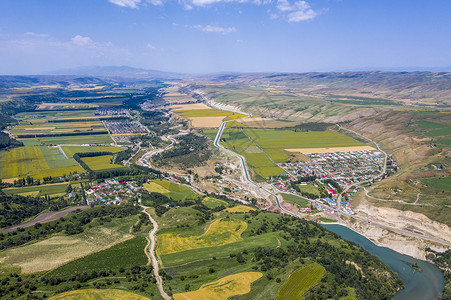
(224, 35)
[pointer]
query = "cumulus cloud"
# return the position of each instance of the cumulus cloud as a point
(296, 12)
(150, 46)
(82, 41)
(126, 3)
(215, 29)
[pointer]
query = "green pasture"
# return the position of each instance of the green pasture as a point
(438, 183)
(64, 140)
(172, 190)
(41, 190)
(98, 163)
(435, 129)
(212, 203)
(71, 150)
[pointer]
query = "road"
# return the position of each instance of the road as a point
(152, 247)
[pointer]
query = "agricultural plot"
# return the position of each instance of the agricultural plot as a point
(176, 192)
(212, 203)
(438, 183)
(71, 150)
(207, 118)
(94, 294)
(43, 129)
(300, 282)
(99, 163)
(229, 286)
(37, 162)
(95, 139)
(295, 199)
(55, 189)
(220, 232)
(58, 250)
(65, 106)
(434, 129)
(240, 209)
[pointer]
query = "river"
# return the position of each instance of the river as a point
(425, 285)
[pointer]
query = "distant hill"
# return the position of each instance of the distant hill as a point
(116, 71)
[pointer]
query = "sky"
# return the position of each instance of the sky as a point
(203, 36)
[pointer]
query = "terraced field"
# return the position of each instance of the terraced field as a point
(224, 288)
(300, 282)
(220, 232)
(36, 162)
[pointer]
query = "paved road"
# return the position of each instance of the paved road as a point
(46, 217)
(152, 247)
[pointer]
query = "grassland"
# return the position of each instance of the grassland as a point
(68, 140)
(438, 183)
(295, 199)
(95, 294)
(300, 282)
(222, 289)
(71, 150)
(36, 162)
(54, 189)
(99, 163)
(172, 190)
(212, 203)
(220, 232)
(58, 250)
(434, 129)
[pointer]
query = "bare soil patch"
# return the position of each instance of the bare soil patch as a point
(192, 106)
(206, 122)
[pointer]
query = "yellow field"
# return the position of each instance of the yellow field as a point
(95, 294)
(220, 232)
(222, 289)
(206, 122)
(153, 187)
(192, 106)
(331, 149)
(240, 209)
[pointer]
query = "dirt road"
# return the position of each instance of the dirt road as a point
(152, 254)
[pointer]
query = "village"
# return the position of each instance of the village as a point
(113, 192)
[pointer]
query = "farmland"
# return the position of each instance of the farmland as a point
(99, 163)
(71, 150)
(300, 282)
(220, 232)
(295, 199)
(109, 294)
(240, 209)
(55, 189)
(36, 162)
(222, 289)
(207, 118)
(170, 189)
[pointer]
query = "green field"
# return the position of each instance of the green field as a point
(99, 163)
(300, 282)
(71, 150)
(40, 190)
(95, 294)
(172, 190)
(295, 199)
(209, 113)
(65, 140)
(123, 255)
(435, 129)
(212, 203)
(438, 183)
(36, 162)
(44, 128)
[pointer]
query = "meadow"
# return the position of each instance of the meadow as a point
(54, 189)
(71, 150)
(240, 209)
(434, 129)
(36, 162)
(438, 183)
(95, 294)
(176, 192)
(220, 232)
(212, 203)
(99, 163)
(222, 289)
(300, 282)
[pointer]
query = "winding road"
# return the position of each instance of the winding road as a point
(152, 247)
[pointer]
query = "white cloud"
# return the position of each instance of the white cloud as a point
(150, 46)
(82, 41)
(156, 2)
(126, 3)
(215, 29)
(296, 12)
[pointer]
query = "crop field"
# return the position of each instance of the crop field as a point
(71, 150)
(49, 129)
(309, 188)
(40, 190)
(300, 282)
(172, 190)
(68, 140)
(58, 250)
(207, 118)
(65, 106)
(43, 116)
(438, 183)
(122, 255)
(240, 209)
(212, 203)
(98, 163)
(229, 286)
(96, 294)
(36, 162)
(434, 129)
(295, 199)
(220, 232)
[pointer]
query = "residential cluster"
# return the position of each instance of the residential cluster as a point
(121, 127)
(113, 192)
(115, 112)
(346, 168)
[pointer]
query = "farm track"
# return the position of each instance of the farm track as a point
(46, 217)
(151, 251)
